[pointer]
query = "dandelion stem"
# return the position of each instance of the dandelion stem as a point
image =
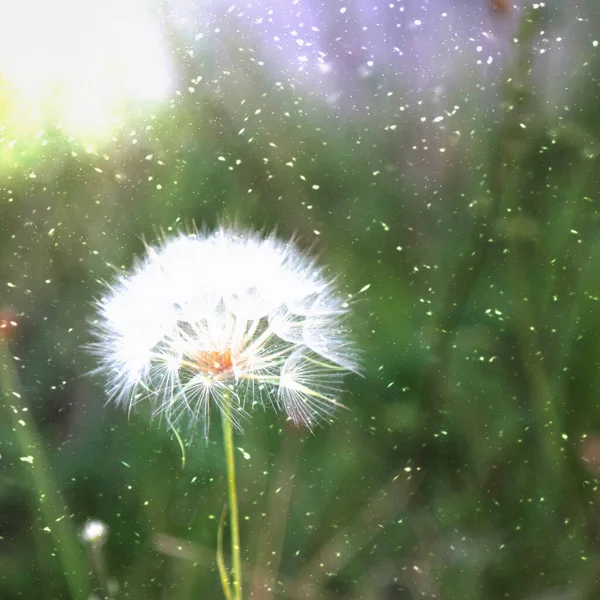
(233, 502)
(51, 505)
(223, 574)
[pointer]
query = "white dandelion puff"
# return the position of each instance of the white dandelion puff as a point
(94, 533)
(227, 320)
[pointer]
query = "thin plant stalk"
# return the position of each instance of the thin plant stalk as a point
(50, 502)
(233, 502)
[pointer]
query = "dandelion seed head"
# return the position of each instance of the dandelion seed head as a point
(230, 317)
(94, 532)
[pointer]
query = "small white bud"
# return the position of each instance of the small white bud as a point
(94, 532)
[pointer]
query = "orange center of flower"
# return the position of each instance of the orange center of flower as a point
(211, 362)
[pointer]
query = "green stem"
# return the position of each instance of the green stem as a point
(542, 392)
(51, 505)
(233, 503)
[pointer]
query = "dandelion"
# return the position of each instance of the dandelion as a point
(229, 318)
(94, 532)
(230, 321)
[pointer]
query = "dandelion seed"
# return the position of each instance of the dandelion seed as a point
(230, 320)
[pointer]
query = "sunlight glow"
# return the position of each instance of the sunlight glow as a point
(79, 63)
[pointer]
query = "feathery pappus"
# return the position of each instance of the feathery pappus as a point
(231, 317)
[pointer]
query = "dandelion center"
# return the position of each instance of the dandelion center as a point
(212, 363)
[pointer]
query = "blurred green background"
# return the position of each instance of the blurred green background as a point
(467, 464)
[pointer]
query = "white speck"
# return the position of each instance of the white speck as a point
(343, 10)
(595, 43)
(438, 119)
